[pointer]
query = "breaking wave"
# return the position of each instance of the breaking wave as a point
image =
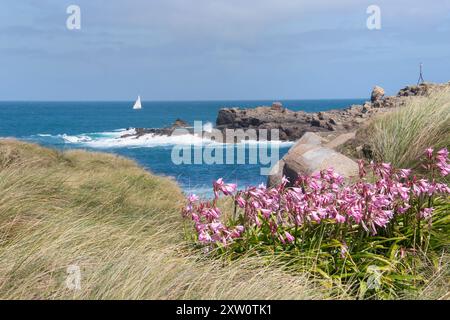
(123, 138)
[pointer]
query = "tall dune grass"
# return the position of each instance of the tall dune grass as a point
(399, 137)
(121, 226)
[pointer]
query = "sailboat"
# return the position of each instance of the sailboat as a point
(137, 104)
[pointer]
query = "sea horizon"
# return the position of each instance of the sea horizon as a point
(186, 100)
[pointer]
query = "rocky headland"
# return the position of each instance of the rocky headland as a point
(319, 136)
(318, 149)
(292, 125)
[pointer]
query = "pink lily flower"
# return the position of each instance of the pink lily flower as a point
(289, 238)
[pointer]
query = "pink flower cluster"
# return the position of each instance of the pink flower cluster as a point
(206, 217)
(440, 160)
(323, 197)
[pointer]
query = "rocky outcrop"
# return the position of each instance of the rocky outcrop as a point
(168, 131)
(422, 89)
(309, 155)
(179, 124)
(292, 125)
(320, 150)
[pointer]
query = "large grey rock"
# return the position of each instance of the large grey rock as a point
(340, 140)
(308, 159)
(310, 138)
(276, 174)
(311, 154)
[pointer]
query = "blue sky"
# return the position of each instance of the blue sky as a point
(218, 49)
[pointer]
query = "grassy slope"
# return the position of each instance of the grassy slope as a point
(120, 225)
(400, 137)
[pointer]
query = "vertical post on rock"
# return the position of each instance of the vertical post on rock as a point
(421, 80)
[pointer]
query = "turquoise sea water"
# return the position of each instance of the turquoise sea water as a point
(98, 126)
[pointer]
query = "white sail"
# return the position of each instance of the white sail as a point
(137, 104)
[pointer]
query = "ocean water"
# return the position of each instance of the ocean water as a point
(99, 125)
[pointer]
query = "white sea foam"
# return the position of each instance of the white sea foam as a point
(115, 139)
(147, 141)
(208, 127)
(75, 139)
